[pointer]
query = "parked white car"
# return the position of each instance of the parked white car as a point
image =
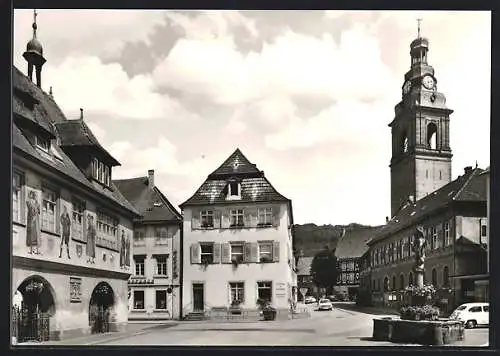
(310, 299)
(472, 314)
(325, 304)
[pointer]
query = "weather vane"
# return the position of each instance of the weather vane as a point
(418, 27)
(34, 23)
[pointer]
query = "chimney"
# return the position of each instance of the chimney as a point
(467, 169)
(151, 178)
(386, 219)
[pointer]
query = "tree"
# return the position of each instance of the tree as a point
(324, 270)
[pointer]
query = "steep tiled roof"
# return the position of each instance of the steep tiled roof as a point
(353, 243)
(77, 133)
(466, 188)
(47, 112)
(146, 200)
(236, 164)
(304, 266)
(254, 185)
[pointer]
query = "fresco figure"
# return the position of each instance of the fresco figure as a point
(127, 251)
(66, 228)
(122, 249)
(91, 236)
(33, 223)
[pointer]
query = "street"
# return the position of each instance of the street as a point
(327, 328)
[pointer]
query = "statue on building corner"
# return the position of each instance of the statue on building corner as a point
(66, 228)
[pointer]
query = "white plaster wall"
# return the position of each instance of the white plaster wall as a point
(216, 277)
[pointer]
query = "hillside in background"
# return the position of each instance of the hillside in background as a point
(311, 238)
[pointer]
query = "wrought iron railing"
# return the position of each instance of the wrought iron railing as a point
(30, 325)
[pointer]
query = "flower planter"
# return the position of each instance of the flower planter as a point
(382, 329)
(425, 332)
(269, 314)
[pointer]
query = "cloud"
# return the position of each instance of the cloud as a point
(106, 89)
(294, 64)
(97, 130)
(83, 32)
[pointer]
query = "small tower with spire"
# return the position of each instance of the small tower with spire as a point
(34, 55)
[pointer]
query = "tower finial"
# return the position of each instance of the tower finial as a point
(418, 27)
(34, 23)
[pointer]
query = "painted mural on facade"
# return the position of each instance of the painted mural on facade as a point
(33, 223)
(66, 228)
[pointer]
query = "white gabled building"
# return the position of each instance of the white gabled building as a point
(238, 241)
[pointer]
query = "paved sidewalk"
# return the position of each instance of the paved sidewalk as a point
(133, 328)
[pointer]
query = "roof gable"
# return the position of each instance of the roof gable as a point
(235, 164)
(353, 243)
(255, 188)
(76, 133)
(151, 203)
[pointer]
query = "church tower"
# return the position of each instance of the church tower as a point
(421, 153)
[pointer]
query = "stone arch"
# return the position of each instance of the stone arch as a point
(38, 293)
(393, 286)
(410, 279)
(402, 281)
(101, 307)
(432, 136)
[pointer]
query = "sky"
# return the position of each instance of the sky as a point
(306, 95)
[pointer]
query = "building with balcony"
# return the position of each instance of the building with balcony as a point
(155, 284)
(238, 241)
(69, 222)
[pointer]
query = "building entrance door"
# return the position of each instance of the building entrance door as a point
(198, 297)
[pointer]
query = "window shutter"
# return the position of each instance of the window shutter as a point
(225, 218)
(217, 252)
(195, 219)
(217, 219)
(276, 251)
(195, 253)
(247, 253)
(254, 252)
(226, 253)
(276, 215)
(247, 218)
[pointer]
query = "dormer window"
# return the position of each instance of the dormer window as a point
(101, 172)
(42, 143)
(233, 190)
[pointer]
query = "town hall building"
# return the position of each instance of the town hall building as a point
(71, 227)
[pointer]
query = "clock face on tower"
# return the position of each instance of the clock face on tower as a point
(406, 87)
(428, 82)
